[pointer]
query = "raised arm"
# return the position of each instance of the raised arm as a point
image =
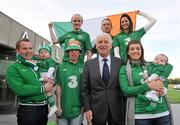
(52, 34)
(151, 20)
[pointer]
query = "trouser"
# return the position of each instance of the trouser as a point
(164, 120)
(108, 121)
(32, 115)
(75, 121)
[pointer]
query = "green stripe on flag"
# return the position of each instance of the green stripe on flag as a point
(61, 28)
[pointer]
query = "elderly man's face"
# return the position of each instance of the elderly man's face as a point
(103, 46)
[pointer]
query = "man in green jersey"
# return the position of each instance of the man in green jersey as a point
(23, 78)
(68, 79)
(76, 34)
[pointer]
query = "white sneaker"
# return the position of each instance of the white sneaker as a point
(52, 111)
(152, 96)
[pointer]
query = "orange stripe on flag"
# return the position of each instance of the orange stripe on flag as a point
(115, 19)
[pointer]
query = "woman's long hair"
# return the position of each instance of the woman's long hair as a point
(130, 28)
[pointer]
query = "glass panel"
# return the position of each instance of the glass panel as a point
(7, 97)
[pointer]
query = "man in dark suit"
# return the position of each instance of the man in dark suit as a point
(102, 98)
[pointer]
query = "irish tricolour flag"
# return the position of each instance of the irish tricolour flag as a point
(93, 26)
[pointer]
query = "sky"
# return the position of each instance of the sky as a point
(163, 37)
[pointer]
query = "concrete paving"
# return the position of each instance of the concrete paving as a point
(11, 118)
(176, 113)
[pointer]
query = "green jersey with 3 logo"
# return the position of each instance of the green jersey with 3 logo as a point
(68, 76)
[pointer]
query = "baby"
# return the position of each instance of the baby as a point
(46, 67)
(159, 69)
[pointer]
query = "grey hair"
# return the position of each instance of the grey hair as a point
(104, 35)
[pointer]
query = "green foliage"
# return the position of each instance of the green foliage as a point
(173, 95)
(51, 123)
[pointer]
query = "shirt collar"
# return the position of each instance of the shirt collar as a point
(101, 58)
(77, 31)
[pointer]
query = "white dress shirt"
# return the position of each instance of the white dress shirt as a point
(101, 63)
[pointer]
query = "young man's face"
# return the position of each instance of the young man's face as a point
(77, 22)
(43, 54)
(74, 55)
(106, 26)
(25, 50)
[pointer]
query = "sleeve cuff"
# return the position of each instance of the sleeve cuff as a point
(42, 89)
(146, 87)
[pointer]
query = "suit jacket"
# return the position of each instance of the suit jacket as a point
(99, 96)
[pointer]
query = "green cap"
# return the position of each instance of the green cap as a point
(46, 47)
(73, 45)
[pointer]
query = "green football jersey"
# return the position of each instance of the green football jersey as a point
(68, 76)
(122, 39)
(81, 36)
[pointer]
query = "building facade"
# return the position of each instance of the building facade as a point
(10, 32)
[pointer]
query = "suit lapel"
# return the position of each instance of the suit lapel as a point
(96, 68)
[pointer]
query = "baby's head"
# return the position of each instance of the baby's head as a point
(45, 52)
(161, 59)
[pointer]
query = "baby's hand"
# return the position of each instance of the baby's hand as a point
(160, 92)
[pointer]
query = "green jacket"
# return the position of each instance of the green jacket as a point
(160, 70)
(138, 88)
(25, 83)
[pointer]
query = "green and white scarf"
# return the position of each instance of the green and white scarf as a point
(29, 63)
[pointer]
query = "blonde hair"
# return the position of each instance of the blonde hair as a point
(77, 15)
